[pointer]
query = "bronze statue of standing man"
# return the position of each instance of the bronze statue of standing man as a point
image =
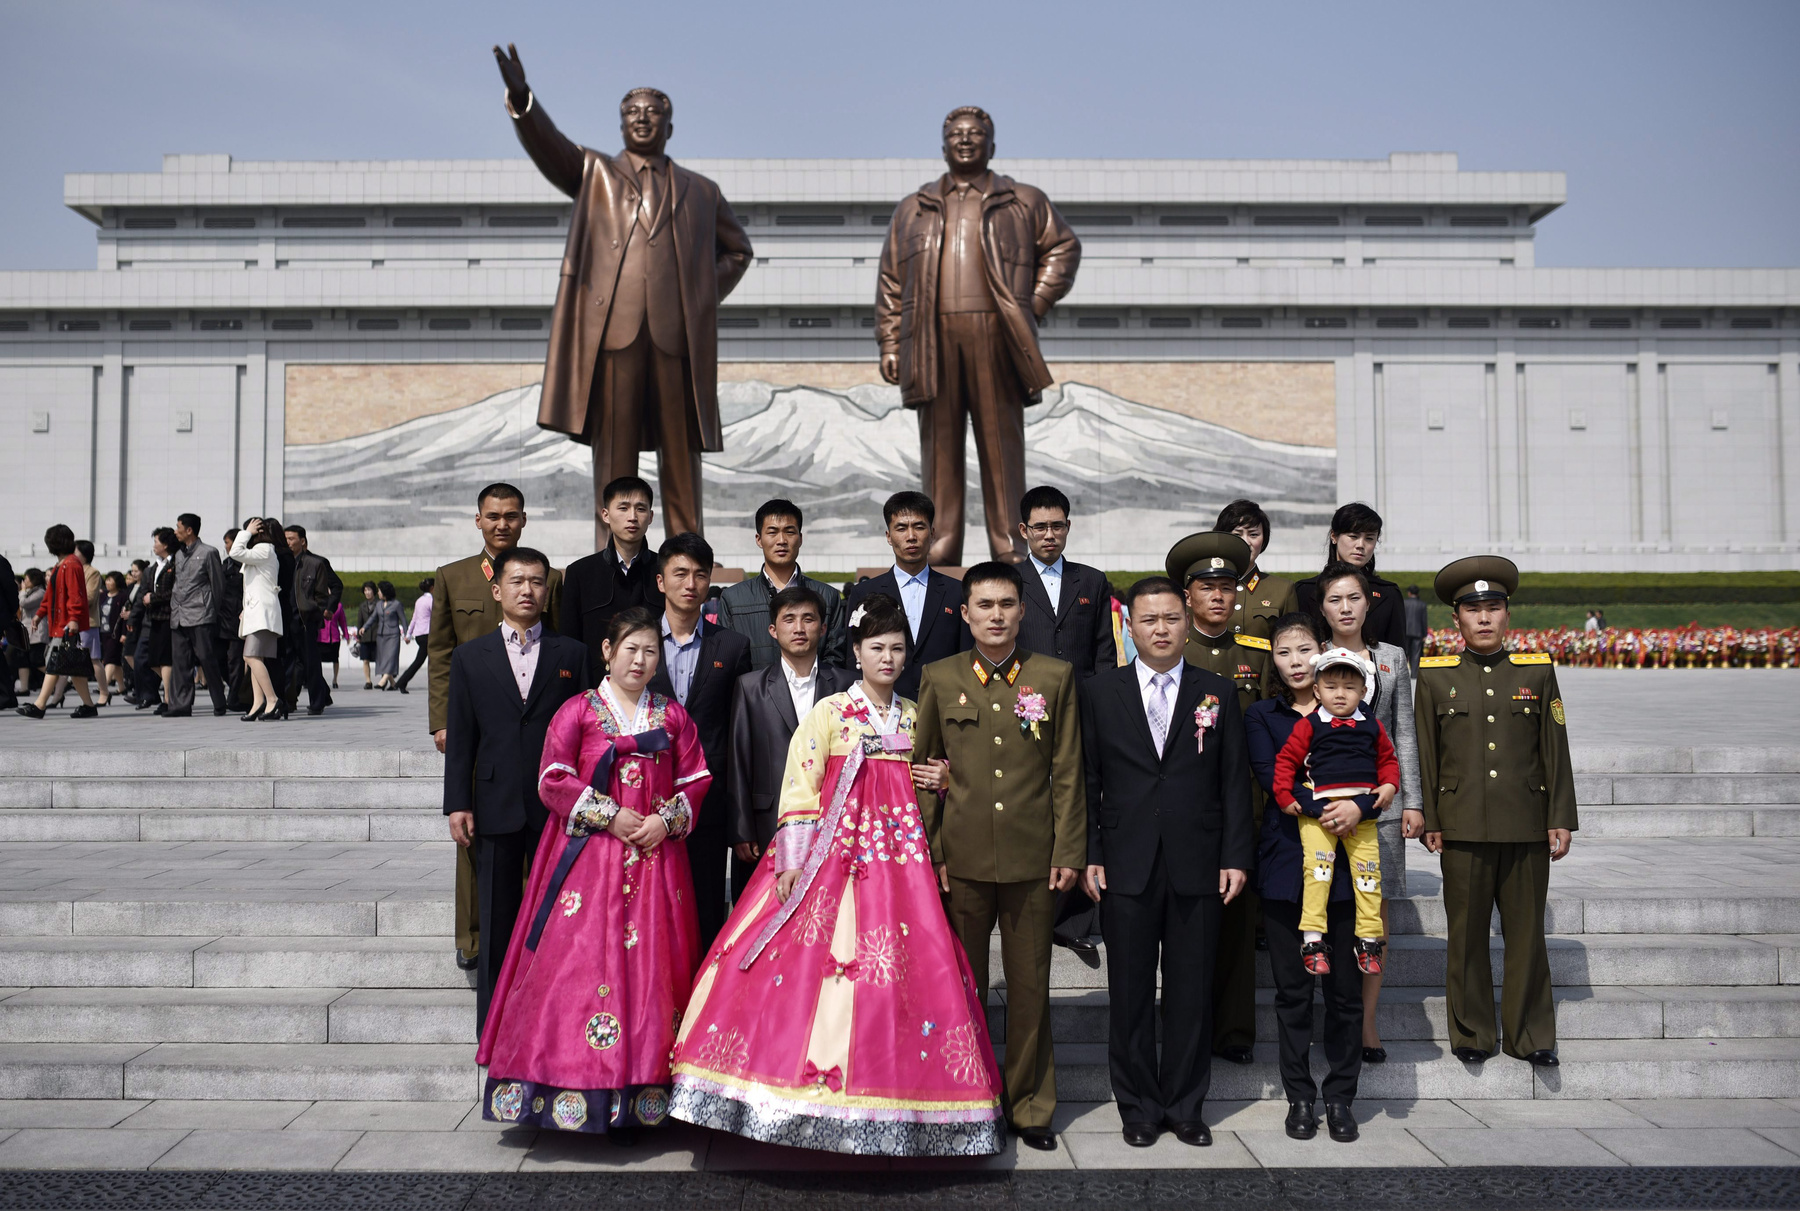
(972, 262)
(634, 340)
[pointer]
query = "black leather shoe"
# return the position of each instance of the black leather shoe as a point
(176, 714)
(1470, 1055)
(1081, 946)
(219, 712)
(1374, 1055)
(148, 704)
(1237, 1055)
(1195, 1135)
(465, 961)
(1302, 1121)
(32, 710)
(1341, 1123)
(1544, 1058)
(1043, 1141)
(1140, 1135)
(88, 711)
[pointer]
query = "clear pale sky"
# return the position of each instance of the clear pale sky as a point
(1678, 124)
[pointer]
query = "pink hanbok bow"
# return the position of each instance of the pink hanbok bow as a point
(832, 1078)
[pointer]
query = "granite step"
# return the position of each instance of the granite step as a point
(1632, 821)
(230, 962)
(1671, 789)
(210, 912)
(240, 1071)
(298, 793)
(86, 765)
(421, 823)
(237, 1015)
(1702, 759)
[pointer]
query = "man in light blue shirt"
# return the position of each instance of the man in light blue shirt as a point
(932, 601)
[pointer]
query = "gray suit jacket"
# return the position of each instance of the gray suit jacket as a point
(762, 724)
(199, 586)
(744, 607)
(1394, 708)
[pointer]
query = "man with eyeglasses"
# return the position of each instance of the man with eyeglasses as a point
(1068, 606)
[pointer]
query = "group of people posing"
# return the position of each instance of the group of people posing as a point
(739, 858)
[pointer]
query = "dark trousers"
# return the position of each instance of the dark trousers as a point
(707, 849)
(643, 398)
(502, 862)
(1182, 931)
(1024, 912)
(1415, 646)
(147, 680)
(1234, 975)
(190, 646)
(1294, 1002)
(1515, 877)
(418, 661)
(1077, 917)
(976, 382)
(304, 672)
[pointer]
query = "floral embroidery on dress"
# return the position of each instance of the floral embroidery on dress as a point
(817, 919)
(631, 935)
(677, 815)
(878, 955)
(726, 1052)
(570, 900)
(962, 1056)
(631, 772)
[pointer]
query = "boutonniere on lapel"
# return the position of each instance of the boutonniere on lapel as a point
(1206, 715)
(1031, 710)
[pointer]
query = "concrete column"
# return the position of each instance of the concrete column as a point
(252, 432)
(1787, 429)
(274, 435)
(109, 446)
(1356, 425)
(1508, 459)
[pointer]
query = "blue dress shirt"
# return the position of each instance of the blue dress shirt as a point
(912, 596)
(1051, 575)
(681, 658)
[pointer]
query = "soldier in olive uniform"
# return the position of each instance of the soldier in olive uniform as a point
(1209, 567)
(1499, 808)
(1011, 830)
(1261, 598)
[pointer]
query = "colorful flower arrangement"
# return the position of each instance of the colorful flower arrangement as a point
(1689, 647)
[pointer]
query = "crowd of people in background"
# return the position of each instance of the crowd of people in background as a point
(250, 625)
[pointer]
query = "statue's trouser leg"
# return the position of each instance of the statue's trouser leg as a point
(645, 397)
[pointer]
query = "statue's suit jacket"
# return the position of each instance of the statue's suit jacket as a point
(711, 254)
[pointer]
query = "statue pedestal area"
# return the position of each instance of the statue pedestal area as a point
(211, 937)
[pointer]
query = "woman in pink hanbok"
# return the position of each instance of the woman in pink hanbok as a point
(837, 1010)
(587, 1003)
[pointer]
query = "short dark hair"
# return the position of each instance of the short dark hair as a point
(369, 586)
(85, 549)
(629, 622)
(1412, 590)
(795, 595)
(36, 575)
(229, 536)
(190, 520)
(295, 529)
(1336, 570)
(1242, 512)
(989, 573)
(1298, 620)
(626, 485)
(1151, 586)
(881, 615)
(969, 111)
(385, 589)
(504, 491)
(779, 508)
(908, 502)
(166, 536)
(1353, 518)
(59, 540)
(526, 555)
(117, 578)
(655, 94)
(428, 584)
(1042, 497)
(689, 544)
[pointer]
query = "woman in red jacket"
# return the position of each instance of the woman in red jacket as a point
(66, 608)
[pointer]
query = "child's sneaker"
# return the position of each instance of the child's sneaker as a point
(1316, 958)
(1368, 956)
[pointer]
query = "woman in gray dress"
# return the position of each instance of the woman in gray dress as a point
(1344, 601)
(387, 621)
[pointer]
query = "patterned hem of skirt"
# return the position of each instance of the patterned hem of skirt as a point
(596, 1111)
(858, 1137)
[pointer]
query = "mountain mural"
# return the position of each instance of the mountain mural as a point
(1139, 477)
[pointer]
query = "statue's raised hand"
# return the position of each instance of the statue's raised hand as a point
(513, 72)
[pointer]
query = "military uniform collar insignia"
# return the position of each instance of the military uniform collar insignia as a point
(982, 674)
(487, 567)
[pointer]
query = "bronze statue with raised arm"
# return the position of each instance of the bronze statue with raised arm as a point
(634, 342)
(972, 262)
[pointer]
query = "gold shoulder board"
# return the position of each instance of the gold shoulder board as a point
(1251, 641)
(1439, 662)
(1531, 657)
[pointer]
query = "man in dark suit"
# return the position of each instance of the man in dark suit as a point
(505, 687)
(932, 600)
(17, 649)
(744, 607)
(701, 663)
(317, 593)
(1068, 606)
(1170, 844)
(766, 706)
(618, 576)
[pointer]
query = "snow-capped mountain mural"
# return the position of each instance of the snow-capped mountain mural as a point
(1139, 477)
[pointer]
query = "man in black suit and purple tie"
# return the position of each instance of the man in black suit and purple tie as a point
(1170, 843)
(932, 600)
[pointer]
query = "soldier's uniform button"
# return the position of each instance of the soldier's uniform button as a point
(1487, 668)
(1490, 744)
(1493, 773)
(1490, 718)
(996, 706)
(999, 773)
(999, 807)
(1490, 692)
(1528, 710)
(1215, 651)
(996, 740)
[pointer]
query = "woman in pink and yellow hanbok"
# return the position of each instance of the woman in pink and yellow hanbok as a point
(837, 1010)
(586, 1005)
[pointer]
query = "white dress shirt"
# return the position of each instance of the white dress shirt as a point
(802, 689)
(1052, 576)
(1147, 689)
(912, 595)
(522, 654)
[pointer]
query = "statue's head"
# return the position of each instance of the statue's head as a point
(968, 139)
(646, 119)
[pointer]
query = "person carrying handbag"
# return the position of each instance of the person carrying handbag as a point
(66, 607)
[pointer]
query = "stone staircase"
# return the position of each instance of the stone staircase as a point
(275, 925)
